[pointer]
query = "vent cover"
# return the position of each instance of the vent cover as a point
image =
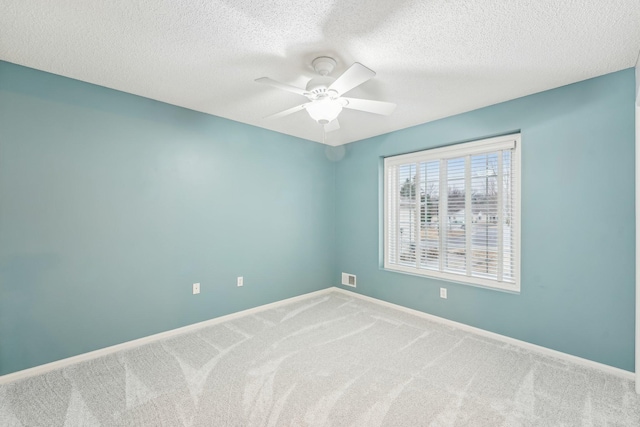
(349, 279)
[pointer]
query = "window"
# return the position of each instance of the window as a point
(454, 213)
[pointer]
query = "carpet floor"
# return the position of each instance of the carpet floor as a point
(330, 360)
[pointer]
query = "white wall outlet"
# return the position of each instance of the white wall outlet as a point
(240, 281)
(443, 293)
(349, 279)
(196, 288)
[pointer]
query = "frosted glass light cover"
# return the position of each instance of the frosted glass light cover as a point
(324, 111)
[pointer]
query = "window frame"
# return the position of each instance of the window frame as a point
(488, 145)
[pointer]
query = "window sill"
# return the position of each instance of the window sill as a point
(507, 288)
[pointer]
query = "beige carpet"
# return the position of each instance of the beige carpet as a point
(330, 360)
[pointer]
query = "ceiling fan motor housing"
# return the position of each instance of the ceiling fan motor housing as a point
(319, 85)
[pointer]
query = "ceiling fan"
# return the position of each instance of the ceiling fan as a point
(325, 94)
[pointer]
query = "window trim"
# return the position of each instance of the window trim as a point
(453, 151)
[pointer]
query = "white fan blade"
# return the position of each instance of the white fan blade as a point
(288, 111)
(283, 86)
(354, 76)
(376, 107)
(332, 125)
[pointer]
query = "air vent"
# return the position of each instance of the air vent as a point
(349, 279)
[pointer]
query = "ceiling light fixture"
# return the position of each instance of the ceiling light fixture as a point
(325, 94)
(324, 111)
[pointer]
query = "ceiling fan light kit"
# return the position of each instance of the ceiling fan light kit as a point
(325, 93)
(324, 111)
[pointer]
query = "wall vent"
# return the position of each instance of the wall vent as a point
(349, 279)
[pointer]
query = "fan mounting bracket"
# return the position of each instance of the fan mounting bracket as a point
(323, 65)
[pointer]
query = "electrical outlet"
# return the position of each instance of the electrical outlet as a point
(443, 293)
(240, 281)
(349, 279)
(196, 288)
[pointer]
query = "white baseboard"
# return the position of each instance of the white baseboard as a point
(58, 364)
(523, 344)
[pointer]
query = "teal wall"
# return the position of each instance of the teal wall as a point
(112, 205)
(578, 222)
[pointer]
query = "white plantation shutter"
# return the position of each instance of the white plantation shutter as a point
(453, 213)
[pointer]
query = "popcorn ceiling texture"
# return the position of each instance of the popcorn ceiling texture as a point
(433, 58)
(332, 360)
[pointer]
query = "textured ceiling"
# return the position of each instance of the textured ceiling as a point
(434, 58)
